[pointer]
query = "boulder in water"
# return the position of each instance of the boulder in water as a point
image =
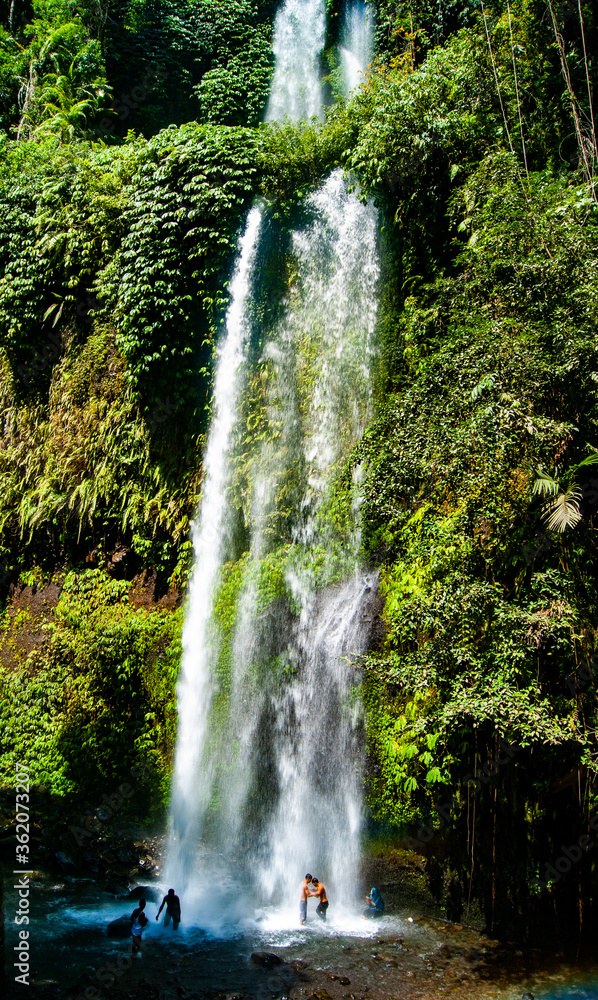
(266, 959)
(65, 863)
(119, 928)
(148, 892)
(116, 888)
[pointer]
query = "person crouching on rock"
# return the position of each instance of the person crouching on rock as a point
(173, 909)
(138, 922)
(375, 906)
(320, 891)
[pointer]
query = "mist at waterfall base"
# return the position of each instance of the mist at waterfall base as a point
(267, 775)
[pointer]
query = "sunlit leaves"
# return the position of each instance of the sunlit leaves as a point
(189, 192)
(563, 512)
(545, 485)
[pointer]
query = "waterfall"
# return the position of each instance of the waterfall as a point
(318, 743)
(357, 44)
(299, 34)
(298, 733)
(191, 780)
(269, 752)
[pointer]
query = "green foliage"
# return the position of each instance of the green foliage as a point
(115, 261)
(187, 195)
(207, 60)
(235, 90)
(488, 617)
(85, 469)
(97, 696)
(155, 61)
(63, 218)
(295, 155)
(418, 25)
(59, 70)
(407, 755)
(562, 511)
(67, 261)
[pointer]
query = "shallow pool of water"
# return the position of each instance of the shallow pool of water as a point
(210, 955)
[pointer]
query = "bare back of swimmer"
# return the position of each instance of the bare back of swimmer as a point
(320, 891)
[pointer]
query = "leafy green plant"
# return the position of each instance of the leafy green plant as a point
(562, 510)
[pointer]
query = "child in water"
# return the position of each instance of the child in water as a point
(138, 922)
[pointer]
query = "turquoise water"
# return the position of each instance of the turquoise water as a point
(212, 951)
(583, 992)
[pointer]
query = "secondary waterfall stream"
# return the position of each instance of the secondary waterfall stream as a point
(267, 777)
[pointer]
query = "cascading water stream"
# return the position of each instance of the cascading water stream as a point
(317, 745)
(299, 35)
(356, 45)
(191, 781)
(297, 734)
(283, 775)
(296, 91)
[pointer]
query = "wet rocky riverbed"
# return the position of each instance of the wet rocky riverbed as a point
(403, 955)
(411, 953)
(426, 960)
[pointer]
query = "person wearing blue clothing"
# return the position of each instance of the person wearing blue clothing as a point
(305, 892)
(138, 922)
(375, 906)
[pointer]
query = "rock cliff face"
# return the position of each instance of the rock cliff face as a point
(28, 610)
(31, 609)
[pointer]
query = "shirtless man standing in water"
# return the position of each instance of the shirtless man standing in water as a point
(303, 904)
(321, 892)
(173, 909)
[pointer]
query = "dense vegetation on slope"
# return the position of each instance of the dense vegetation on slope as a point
(86, 68)
(474, 132)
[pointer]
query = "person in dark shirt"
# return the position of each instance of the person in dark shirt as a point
(173, 909)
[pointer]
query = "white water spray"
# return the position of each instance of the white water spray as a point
(296, 92)
(357, 45)
(299, 35)
(282, 765)
(316, 717)
(191, 779)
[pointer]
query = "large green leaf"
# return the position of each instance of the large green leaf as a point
(563, 512)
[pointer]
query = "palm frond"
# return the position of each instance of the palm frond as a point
(563, 512)
(545, 485)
